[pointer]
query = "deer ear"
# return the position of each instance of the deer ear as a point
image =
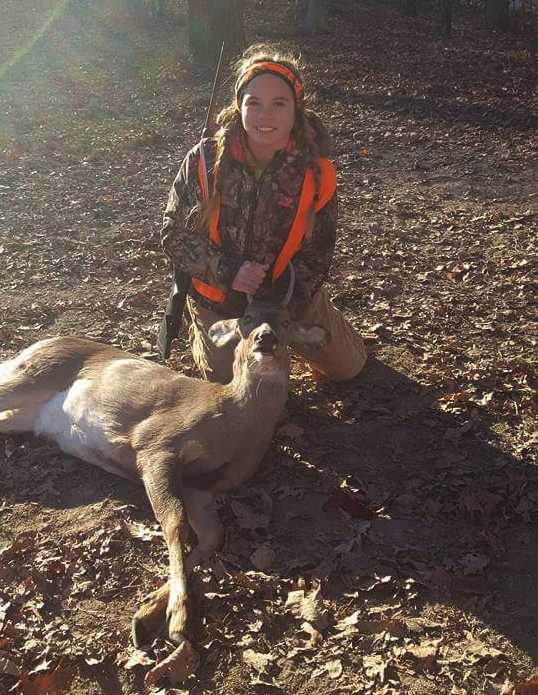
(311, 338)
(223, 332)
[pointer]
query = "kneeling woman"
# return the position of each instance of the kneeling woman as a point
(271, 200)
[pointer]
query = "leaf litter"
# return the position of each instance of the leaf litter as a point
(398, 511)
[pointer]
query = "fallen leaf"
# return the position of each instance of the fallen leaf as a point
(486, 398)
(8, 667)
(425, 655)
(332, 668)
(55, 683)
(43, 665)
(527, 688)
(139, 658)
(257, 660)
(93, 660)
(474, 563)
(4, 607)
(178, 666)
(370, 585)
(267, 683)
(309, 607)
(356, 504)
(495, 666)
(353, 625)
(256, 626)
(141, 531)
(481, 650)
(350, 621)
(295, 597)
(375, 667)
(140, 299)
(249, 518)
(315, 636)
(9, 449)
(372, 627)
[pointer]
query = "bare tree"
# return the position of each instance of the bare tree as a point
(445, 15)
(211, 22)
(409, 8)
(311, 16)
(497, 14)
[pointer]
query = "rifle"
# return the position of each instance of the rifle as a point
(170, 325)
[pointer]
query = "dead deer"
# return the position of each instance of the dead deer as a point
(188, 440)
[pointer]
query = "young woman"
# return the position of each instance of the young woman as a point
(271, 199)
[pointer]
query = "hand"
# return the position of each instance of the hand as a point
(249, 277)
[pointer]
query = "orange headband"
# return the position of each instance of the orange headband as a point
(275, 68)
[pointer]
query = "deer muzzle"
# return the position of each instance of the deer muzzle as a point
(266, 340)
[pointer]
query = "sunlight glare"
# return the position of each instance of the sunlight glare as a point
(27, 47)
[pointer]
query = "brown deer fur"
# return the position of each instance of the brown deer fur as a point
(187, 440)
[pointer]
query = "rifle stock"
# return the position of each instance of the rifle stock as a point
(170, 325)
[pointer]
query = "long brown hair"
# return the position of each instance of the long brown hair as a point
(229, 120)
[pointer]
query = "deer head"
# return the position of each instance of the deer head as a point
(264, 333)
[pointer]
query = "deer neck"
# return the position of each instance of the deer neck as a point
(260, 396)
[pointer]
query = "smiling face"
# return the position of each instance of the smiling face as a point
(268, 114)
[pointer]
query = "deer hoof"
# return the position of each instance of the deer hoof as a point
(150, 618)
(140, 635)
(177, 638)
(177, 621)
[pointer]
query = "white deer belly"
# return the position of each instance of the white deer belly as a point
(71, 419)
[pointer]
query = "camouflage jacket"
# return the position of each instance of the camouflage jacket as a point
(256, 215)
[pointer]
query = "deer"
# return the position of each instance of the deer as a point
(187, 440)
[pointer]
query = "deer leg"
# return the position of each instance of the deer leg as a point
(21, 398)
(150, 618)
(205, 522)
(234, 474)
(18, 419)
(17, 390)
(162, 487)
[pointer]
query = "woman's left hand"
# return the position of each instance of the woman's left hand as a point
(249, 277)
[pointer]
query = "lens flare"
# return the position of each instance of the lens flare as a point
(27, 47)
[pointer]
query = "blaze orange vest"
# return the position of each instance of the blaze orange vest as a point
(297, 230)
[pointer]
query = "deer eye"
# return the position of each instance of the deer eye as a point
(285, 323)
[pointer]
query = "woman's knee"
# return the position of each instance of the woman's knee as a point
(343, 369)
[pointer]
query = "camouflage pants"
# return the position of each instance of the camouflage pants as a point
(342, 359)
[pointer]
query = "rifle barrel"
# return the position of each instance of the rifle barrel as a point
(216, 80)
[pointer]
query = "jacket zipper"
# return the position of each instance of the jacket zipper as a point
(250, 221)
(254, 203)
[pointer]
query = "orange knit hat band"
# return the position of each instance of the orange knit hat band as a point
(274, 68)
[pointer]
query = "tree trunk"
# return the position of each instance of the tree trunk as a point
(409, 8)
(154, 9)
(497, 14)
(210, 23)
(311, 16)
(445, 11)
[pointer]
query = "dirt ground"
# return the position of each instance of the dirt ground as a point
(388, 545)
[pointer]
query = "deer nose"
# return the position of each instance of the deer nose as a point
(266, 340)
